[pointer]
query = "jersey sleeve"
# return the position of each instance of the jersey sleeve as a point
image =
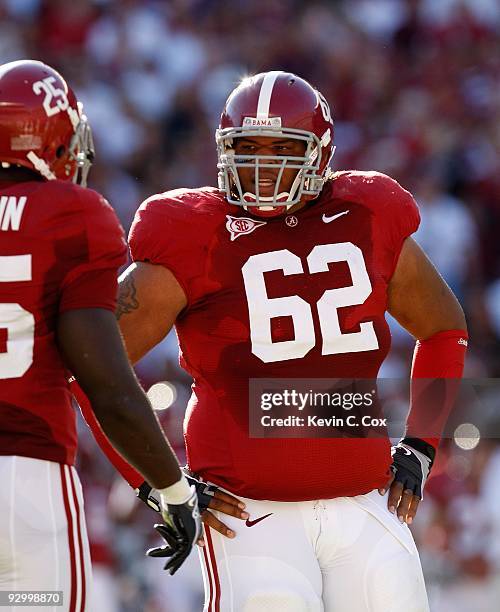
(165, 232)
(404, 218)
(399, 212)
(99, 253)
(394, 210)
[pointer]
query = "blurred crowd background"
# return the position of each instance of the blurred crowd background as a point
(414, 91)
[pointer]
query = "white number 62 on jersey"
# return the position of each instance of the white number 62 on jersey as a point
(262, 309)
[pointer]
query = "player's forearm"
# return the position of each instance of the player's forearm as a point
(129, 422)
(91, 344)
(130, 474)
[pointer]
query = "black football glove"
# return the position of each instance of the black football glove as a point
(204, 492)
(149, 496)
(181, 531)
(412, 461)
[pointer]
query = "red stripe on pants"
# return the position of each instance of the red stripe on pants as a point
(209, 576)
(80, 542)
(210, 544)
(71, 542)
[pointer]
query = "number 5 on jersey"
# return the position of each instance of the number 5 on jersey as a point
(262, 309)
(19, 322)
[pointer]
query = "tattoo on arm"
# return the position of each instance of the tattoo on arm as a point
(127, 300)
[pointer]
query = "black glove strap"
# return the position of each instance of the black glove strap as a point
(421, 446)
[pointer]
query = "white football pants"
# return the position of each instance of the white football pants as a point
(348, 554)
(43, 537)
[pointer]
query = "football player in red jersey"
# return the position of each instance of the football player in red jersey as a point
(60, 248)
(286, 271)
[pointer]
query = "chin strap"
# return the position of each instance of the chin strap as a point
(281, 198)
(267, 210)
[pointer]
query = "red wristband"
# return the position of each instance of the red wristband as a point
(439, 357)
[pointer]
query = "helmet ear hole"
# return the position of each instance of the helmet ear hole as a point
(60, 151)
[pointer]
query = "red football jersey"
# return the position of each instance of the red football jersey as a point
(298, 296)
(60, 248)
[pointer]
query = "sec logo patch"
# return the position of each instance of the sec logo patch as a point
(239, 226)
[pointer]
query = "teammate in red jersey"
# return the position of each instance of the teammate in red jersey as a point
(60, 248)
(286, 271)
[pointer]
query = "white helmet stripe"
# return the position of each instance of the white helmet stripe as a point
(266, 91)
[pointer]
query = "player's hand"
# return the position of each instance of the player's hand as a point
(412, 461)
(210, 497)
(227, 504)
(181, 530)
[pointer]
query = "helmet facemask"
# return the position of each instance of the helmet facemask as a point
(75, 161)
(81, 149)
(306, 185)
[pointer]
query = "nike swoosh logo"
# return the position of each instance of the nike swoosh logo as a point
(250, 523)
(333, 217)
